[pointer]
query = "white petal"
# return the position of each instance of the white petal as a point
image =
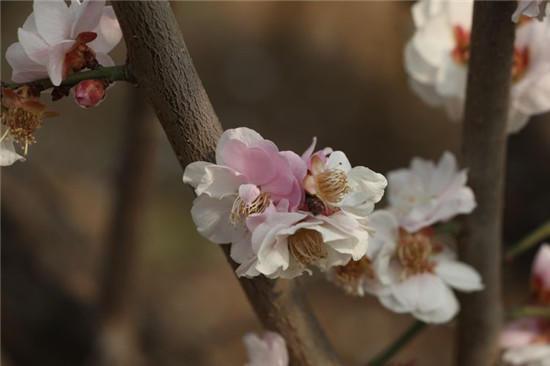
(459, 275)
(35, 47)
(385, 230)
(243, 134)
(108, 32)
(87, 16)
(426, 92)
(367, 189)
(442, 314)
(214, 180)
(56, 62)
(417, 68)
(338, 160)
(451, 79)
(23, 68)
(8, 155)
(434, 41)
(53, 20)
(104, 60)
(211, 216)
(531, 355)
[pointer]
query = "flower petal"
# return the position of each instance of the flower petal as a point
(56, 62)
(23, 68)
(213, 180)
(108, 32)
(8, 155)
(53, 20)
(459, 275)
(35, 47)
(86, 16)
(211, 216)
(245, 135)
(104, 59)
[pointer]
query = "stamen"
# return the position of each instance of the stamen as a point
(352, 275)
(26, 147)
(242, 210)
(332, 185)
(414, 252)
(307, 246)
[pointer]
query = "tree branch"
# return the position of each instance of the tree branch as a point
(484, 150)
(112, 73)
(163, 68)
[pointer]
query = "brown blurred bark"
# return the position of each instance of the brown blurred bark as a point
(118, 338)
(163, 68)
(484, 152)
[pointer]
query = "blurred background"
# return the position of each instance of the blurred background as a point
(101, 263)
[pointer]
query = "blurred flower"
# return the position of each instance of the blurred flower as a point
(89, 93)
(353, 276)
(22, 115)
(57, 39)
(333, 181)
(415, 271)
(526, 342)
(530, 8)
(426, 193)
(250, 175)
(541, 275)
(269, 350)
(437, 56)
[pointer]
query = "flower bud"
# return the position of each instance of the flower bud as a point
(541, 275)
(89, 93)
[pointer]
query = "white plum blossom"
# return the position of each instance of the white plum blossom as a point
(338, 185)
(530, 8)
(437, 56)
(269, 350)
(526, 342)
(57, 39)
(416, 272)
(426, 193)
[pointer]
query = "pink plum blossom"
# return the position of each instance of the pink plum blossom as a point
(57, 39)
(268, 350)
(89, 93)
(541, 275)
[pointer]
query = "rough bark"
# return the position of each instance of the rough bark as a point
(484, 151)
(118, 337)
(163, 68)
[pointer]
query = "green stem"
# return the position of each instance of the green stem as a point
(530, 240)
(112, 73)
(382, 358)
(531, 311)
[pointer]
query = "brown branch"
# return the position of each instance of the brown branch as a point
(484, 150)
(163, 68)
(116, 293)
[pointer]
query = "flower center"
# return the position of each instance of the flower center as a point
(332, 185)
(414, 252)
(461, 53)
(541, 292)
(241, 210)
(307, 246)
(80, 56)
(350, 276)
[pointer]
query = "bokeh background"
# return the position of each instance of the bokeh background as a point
(87, 280)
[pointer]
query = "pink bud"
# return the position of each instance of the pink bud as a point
(541, 274)
(89, 93)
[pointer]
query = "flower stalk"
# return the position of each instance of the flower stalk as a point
(529, 241)
(110, 74)
(531, 311)
(382, 358)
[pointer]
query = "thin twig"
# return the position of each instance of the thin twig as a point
(112, 73)
(531, 311)
(484, 152)
(163, 68)
(535, 237)
(409, 334)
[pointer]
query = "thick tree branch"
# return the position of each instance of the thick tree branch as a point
(163, 68)
(484, 150)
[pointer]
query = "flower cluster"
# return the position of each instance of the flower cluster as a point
(437, 56)
(268, 350)
(283, 213)
(410, 265)
(526, 341)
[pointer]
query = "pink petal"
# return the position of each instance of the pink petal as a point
(248, 192)
(53, 20)
(309, 151)
(87, 16)
(23, 68)
(254, 163)
(541, 266)
(297, 165)
(108, 32)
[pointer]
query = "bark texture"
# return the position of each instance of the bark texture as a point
(484, 152)
(163, 68)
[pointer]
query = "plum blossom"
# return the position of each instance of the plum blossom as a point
(530, 8)
(427, 193)
(332, 181)
(268, 350)
(526, 342)
(22, 115)
(415, 272)
(437, 56)
(250, 174)
(57, 39)
(540, 275)
(90, 93)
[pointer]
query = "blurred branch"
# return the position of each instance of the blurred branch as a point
(112, 73)
(531, 311)
(385, 356)
(529, 241)
(163, 68)
(484, 150)
(116, 293)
